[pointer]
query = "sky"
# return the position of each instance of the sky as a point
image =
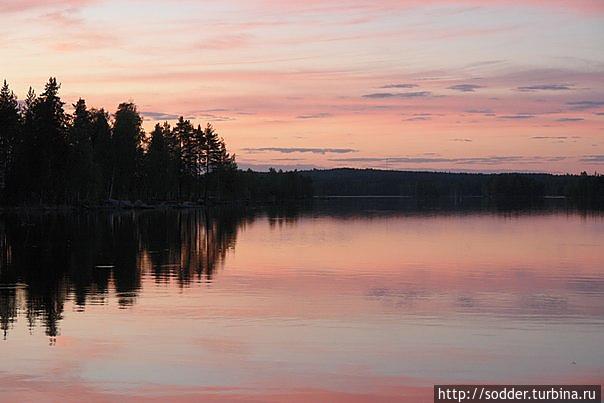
(464, 85)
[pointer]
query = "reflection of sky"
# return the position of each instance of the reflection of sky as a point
(498, 85)
(356, 306)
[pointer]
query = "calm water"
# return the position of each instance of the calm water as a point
(338, 302)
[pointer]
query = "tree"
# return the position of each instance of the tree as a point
(102, 150)
(81, 169)
(158, 162)
(214, 160)
(127, 141)
(188, 153)
(9, 132)
(209, 156)
(49, 136)
(20, 180)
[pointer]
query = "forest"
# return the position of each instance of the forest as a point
(50, 157)
(518, 188)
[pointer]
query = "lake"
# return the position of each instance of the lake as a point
(338, 301)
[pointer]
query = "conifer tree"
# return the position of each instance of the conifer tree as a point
(81, 169)
(49, 128)
(102, 150)
(127, 142)
(9, 134)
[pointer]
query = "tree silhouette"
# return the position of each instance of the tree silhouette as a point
(49, 127)
(48, 157)
(81, 163)
(127, 147)
(158, 162)
(102, 150)
(9, 132)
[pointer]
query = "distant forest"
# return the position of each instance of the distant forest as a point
(92, 158)
(48, 156)
(586, 190)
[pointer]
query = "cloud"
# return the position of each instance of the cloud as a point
(461, 140)
(265, 167)
(554, 137)
(288, 150)
(418, 119)
(490, 160)
(15, 6)
(159, 116)
(546, 87)
(64, 18)
(585, 104)
(399, 86)
(517, 116)
(593, 159)
(465, 87)
(483, 111)
(224, 42)
(599, 113)
(380, 95)
(215, 118)
(84, 41)
(569, 119)
(314, 116)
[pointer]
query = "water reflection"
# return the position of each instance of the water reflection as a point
(371, 297)
(48, 258)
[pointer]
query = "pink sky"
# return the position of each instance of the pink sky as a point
(450, 85)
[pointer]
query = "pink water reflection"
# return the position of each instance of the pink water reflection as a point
(335, 309)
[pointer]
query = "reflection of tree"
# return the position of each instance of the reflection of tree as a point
(198, 241)
(47, 259)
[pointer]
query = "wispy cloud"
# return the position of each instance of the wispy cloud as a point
(546, 87)
(288, 150)
(215, 118)
(465, 87)
(381, 95)
(554, 137)
(404, 85)
(224, 42)
(519, 116)
(594, 159)
(569, 119)
(463, 140)
(159, 116)
(588, 104)
(490, 160)
(314, 116)
(480, 111)
(13, 6)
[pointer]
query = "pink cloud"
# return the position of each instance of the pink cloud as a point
(224, 42)
(13, 6)
(313, 6)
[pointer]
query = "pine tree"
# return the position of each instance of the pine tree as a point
(102, 149)
(20, 181)
(158, 163)
(210, 149)
(127, 140)
(49, 127)
(9, 134)
(185, 136)
(81, 168)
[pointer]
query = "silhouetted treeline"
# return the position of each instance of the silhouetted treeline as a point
(48, 156)
(584, 189)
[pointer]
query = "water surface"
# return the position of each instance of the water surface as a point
(335, 302)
